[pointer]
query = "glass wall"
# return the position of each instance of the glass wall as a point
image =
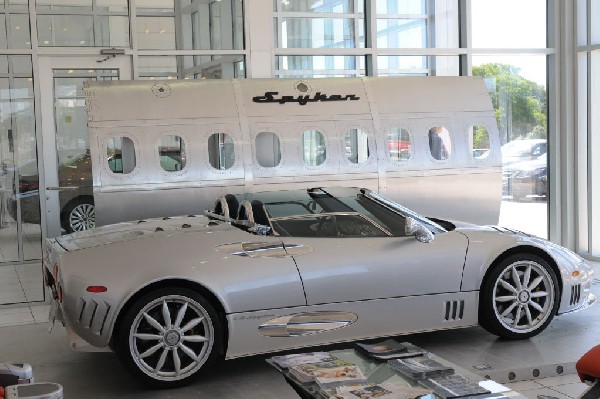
(588, 128)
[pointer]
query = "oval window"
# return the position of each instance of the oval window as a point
(357, 146)
(120, 152)
(171, 151)
(440, 146)
(268, 150)
(480, 142)
(398, 144)
(221, 154)
(314, 150)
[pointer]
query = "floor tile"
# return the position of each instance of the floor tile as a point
(532, 394)
(40, 313)
(559, 380)
(523, 385)
(572, 390)
(16, 319)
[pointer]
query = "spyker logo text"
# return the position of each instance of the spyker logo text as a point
(270, 97)
(253, 317)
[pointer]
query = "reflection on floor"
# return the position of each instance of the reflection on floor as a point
(32, 238)
(21, 283)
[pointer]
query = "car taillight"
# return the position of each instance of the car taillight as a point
(55, 272)
(96, 289)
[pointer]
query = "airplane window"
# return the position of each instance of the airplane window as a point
(480, 142)
(171, 151)
(221, 154)
(268, 151)
(439, 143)
(120, 152)
(398, 144)
(313, 144)
(357, 146)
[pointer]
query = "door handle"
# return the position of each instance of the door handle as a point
(66, 188)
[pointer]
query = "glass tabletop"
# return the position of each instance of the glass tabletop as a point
(381, 372)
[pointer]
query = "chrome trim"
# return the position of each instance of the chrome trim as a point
(306, 324)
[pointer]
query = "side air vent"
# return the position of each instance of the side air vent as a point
(454, 310)
(93, 315)
(575, 294)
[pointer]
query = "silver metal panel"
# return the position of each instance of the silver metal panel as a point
(352, 269)
(394, 316)
(462, 187)
(274, 280)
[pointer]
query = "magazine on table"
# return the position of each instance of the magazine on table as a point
(377, 391)
(420, 368)
(390, 349)
(287, 361)
(309, 372)
(336, 376)
(453, 386)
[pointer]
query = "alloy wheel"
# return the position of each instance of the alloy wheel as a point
(82, 217)
(171, 338)
(523, 296)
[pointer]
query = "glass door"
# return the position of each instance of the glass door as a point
(68, 169)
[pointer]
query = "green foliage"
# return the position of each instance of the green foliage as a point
(520, 104)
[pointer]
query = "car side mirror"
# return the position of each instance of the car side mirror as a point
(420, 232)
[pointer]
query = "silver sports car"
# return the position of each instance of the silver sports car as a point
(270, 271)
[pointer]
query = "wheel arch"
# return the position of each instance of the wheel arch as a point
(178, 283)
(530, 250)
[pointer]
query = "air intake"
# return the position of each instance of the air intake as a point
(454, 310)
(575, 294)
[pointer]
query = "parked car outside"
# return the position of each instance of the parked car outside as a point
(526, 178)
(271, 271)
(76, 196)
(522, 150)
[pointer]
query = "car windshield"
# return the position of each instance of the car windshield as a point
(358, 212)
(517, 148)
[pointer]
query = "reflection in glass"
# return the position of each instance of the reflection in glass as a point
(221, 151)
(319, 66)
(480, 142)
(317, 33)
(120, 153)
(398, 144)
(314, 149)
(440, 146)
(268, 149)
(414, 7)
(357, 146)
(20, 217)
(171, 151)
(191, 67)
(328, 6)
(83, 23)
(401, 33)
(418, 65)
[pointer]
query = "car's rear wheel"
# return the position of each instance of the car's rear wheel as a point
(519, 297)
(79, 214)
(168, 336)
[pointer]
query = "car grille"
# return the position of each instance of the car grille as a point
(93, 315)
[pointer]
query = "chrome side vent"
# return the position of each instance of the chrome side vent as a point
(575, 294)
(454, 310)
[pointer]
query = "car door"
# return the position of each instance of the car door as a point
(356, 267)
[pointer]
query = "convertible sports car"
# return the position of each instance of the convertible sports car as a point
(271, 271)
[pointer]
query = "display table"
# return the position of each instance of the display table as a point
(378, 372)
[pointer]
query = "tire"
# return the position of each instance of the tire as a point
(79, 214)
(168, 335)
(519, 297)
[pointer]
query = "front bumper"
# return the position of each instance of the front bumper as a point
(587, 302)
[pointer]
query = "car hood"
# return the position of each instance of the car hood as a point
(128, 231)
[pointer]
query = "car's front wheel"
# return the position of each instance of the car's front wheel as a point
(519, 297)
(168, 336)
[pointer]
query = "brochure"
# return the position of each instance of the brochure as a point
(390, 349)
(287, 361)
(420, 368)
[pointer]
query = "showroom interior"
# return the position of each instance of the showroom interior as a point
(539, 60)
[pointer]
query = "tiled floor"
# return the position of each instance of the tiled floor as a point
(562, 387)
(21, 283)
